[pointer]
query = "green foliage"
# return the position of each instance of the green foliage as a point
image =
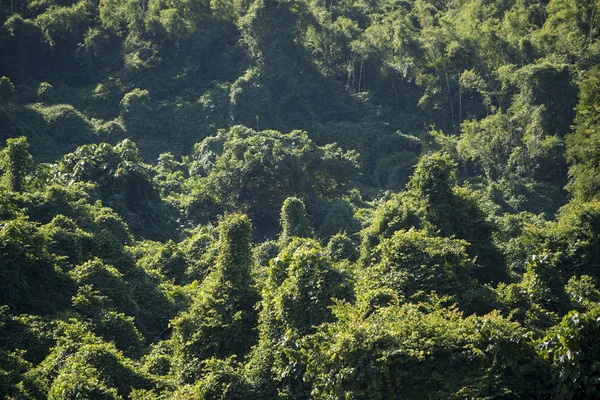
(7, 90)
(12, 370)
(62, 121)
(435, 204)
(399, 212)
(581, 144)
(583, 291)
(573, 239)
(17, 163)
(135, 106)
(166, 259)
(157, 299)
(107, 281)
(522, 148)
(301, 286)
(66, 239)
(457, 211)
(44, 91)
(123, 182)
(257, 171)
(571, 30)
(412, 263)
(119, 329)
(94, 371)
(486, 142)
(339, 218)
(402, 352)
(29, 274)
(572, 347)
(302, 283)
(294, 220)
(510, 239)
(221, 316)
(340, 247)
(82, 364)
(434, 177)
(24, 333)
(59, 23)
(201, 251)
(88, 162)
(222, 380)
(548, 85)
(543, 283)
(441, 129)
(265, 252)
(111, 234)
(393, 170)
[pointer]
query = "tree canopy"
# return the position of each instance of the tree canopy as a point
(299, 199)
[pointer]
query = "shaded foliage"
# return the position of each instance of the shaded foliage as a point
(352, 199)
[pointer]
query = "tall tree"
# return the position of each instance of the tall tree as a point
(17, 161)
(583, 145)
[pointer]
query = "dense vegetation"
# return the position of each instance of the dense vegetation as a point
(299, 199)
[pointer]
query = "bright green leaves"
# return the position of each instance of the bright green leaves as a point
(256, 171)
(412, 261)
(302, 283)
(573, 347)
(435, 204)
(61, 23)
(571, 30)
(123, 259)
(92, 161)
(573, 238)
(108, 286)
(519, 149)
(583, 291)
(123, 181)
(294, 220)
(300, 289)
(221, 316)
(16, 163)
(400, 351)
(583, 144)
(29, 273)
(434, 177)
(95, 371)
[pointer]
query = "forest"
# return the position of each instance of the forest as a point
(299, 199)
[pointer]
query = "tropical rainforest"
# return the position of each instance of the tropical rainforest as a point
(299, 199)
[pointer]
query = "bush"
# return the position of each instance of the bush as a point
(401, 352)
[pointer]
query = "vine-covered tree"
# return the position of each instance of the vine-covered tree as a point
(221, 318)
(17, 163)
